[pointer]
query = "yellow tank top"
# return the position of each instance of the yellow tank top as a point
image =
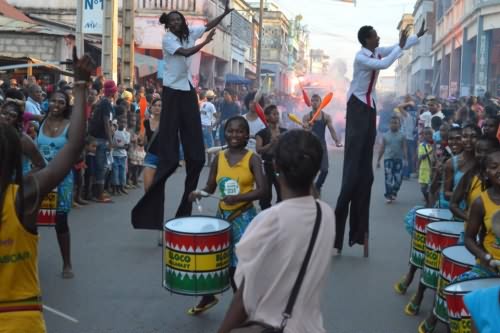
(19, 285)
(491, 223)
(475, 190)
(234, 180)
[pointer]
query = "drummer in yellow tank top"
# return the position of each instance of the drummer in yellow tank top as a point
(20, 305)
(484, 220)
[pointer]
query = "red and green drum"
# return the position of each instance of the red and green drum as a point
(439, 236)
(422, 218)
(196, 255)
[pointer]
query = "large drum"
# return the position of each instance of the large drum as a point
(47, 212)
(459, 316)
(422, 218)
(196, 257)
(455, 260)
(440, 235)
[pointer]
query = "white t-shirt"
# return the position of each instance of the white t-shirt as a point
(425, 119)
(255, 126)
(177, 70)
(207, 113)
(270, 254)
(120, 140)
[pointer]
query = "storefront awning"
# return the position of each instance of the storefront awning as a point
(236, 79)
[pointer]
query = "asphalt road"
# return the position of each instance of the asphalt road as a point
(117, 286)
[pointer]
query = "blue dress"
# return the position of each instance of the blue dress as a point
(49, 147)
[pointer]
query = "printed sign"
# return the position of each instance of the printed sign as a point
(93, 13)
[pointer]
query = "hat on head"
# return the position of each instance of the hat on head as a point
(110, 88)
(127, 95)
(210, 94)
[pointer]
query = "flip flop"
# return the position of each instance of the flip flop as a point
(399, 287)
(67, 274)
(424, 327)
(197, 310)
(411, 309)
(104, 200)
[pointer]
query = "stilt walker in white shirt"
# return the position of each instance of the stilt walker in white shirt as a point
(357, 178)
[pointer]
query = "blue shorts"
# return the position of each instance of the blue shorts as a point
(151, 161)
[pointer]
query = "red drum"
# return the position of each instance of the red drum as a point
(459, 316)
(422, 218)
(439, 236)
(455, 261)
(47, 213)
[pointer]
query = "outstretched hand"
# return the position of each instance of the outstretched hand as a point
(82, 67)
(422, 30)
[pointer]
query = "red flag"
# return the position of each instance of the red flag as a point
(260, 113)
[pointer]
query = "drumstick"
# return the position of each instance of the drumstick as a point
(208, 195)
(198, 205)
(214, 150)
(324, 103)
(448, 150)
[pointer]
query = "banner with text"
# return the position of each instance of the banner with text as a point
(93, 13)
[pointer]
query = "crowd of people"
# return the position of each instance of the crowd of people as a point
(93, 139)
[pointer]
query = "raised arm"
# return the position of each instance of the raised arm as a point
(212, 24)
(176, 48)
(377, 64)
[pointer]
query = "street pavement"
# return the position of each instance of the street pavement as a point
(118, 289)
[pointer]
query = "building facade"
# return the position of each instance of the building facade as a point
(466, 51)
(421, 60)
(403, 67)
(318, 62)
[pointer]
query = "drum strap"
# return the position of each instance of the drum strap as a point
(237, 213)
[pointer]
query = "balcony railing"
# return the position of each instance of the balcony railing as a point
(166, 5)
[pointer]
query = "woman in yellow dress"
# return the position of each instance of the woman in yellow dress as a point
(20, 197)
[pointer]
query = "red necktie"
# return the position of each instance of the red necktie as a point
(370, 86)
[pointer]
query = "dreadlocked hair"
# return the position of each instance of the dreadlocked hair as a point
(11, 171)
(165, 20)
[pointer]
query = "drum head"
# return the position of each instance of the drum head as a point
(471, 285)
(435, 213)
(449, 227)
(196, 225)
(459, 254)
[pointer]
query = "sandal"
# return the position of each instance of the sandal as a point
(195, 310)
(411, 309)
(104, 200)
(67, 274)
(425, 327)
(399, 287)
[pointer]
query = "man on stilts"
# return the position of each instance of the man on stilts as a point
(357, 178)
(180, 116)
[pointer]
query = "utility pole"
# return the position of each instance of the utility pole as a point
(127, 54)
(79, 38)
(109, 40)
(259, 45)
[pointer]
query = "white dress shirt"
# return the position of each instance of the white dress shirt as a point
(33, 107)
(177, 70)
(367, 66)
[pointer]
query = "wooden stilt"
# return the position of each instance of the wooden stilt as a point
(365, 246)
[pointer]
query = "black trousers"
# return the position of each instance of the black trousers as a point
(271, 180)
(357, 177)
(180, 116)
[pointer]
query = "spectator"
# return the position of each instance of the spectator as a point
(121, 141)
(208, 118)
(100, 129)
(228, 110)
(35, 98)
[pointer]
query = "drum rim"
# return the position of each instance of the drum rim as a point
(193, 294)
(198, 234)
(449, 293)
(453, 260)
(443, 232)
(432, 217)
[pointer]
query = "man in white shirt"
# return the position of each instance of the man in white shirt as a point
(180, 117)
(361, 130)
(35, 97)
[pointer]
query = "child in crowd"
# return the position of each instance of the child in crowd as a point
(425, 163)
(266, 140)
(394, 151)
(136, 155)
(237, 175)
(121, 140)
